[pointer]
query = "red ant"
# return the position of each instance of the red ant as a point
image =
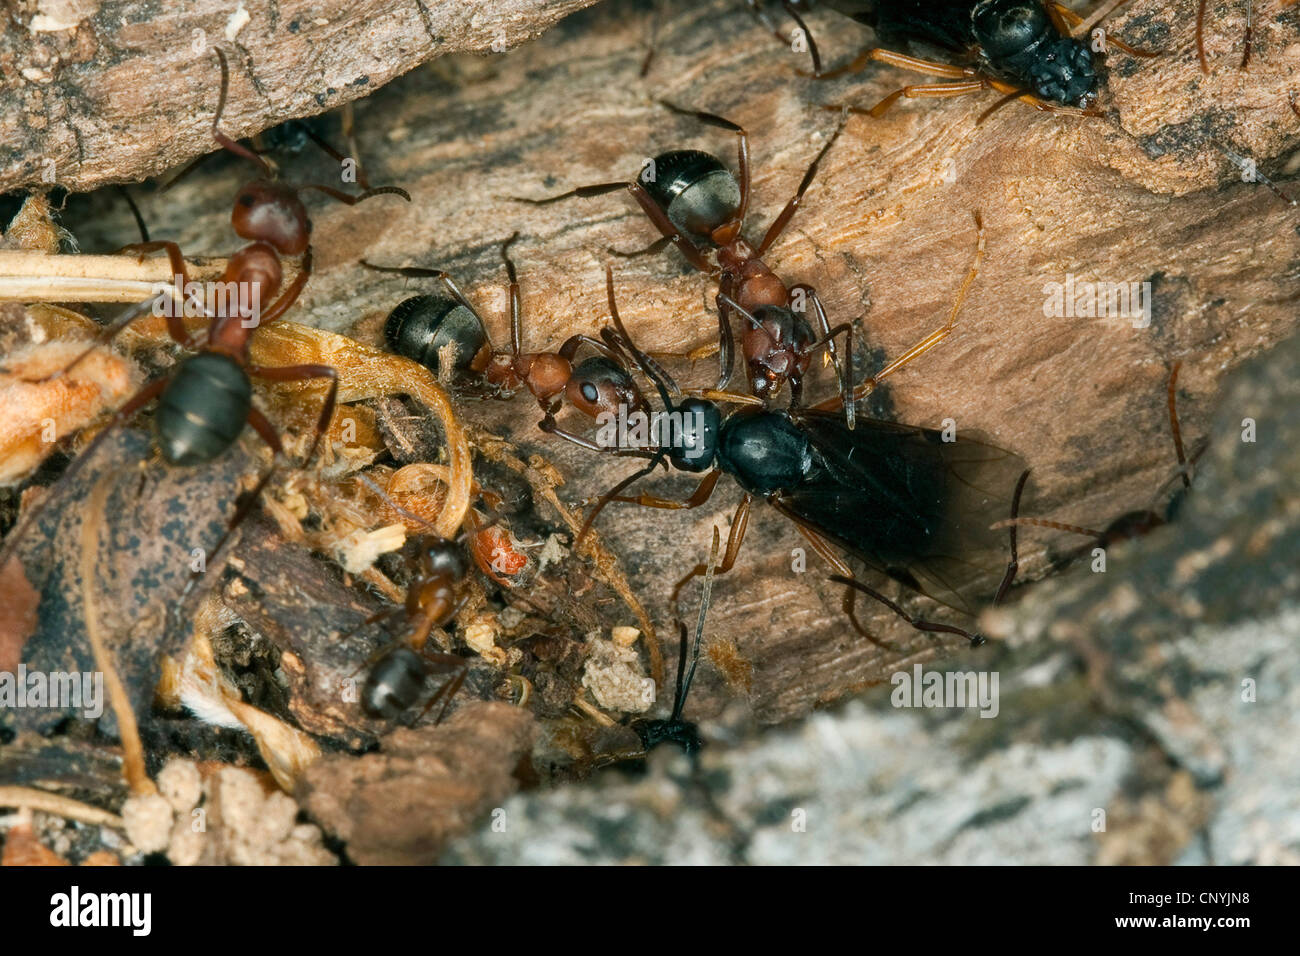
(425, 328)
(687, 192)
(204, 403)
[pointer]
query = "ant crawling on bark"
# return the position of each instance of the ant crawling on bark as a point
(1023, 49)
(690, 195)
(903, 499)
(444, 331)
(675, 728)
(396, 677)
(205, 402)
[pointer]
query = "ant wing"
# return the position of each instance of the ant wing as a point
(941, 23)
(909, 503)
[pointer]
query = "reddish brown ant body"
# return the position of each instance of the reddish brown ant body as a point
(689, 193)
(424, 328)
(204, 403)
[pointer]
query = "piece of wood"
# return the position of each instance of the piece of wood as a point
(1144, 194)
(95, 92)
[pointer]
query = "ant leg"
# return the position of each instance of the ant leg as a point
(931, 340)
(881, 55)
(266, 431)
(726, 341)
(448, 690)
(574, 342)
(1174, 428)
(141, 398)
(742, 155)
(828, 341)
(823, 547)
(768, 24)
(580, 192)
(352, 200)
(349, 136)
(1064, 18)
(105, 337)
(224, 141)
(135, 213)
(920, 624)
(295, 373)
(669, 231)
(703, 491)
(512, 293)
(736, 537)
(715, 395)
(783, 220)
(656, 247)
(656, 215)
(290, 295)
(416, 272)
(548, 425)
(180, 277)
(372, 619)
(1013, 565)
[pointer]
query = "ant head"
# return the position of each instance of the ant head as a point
(694, 189)
(776, 348)
(393, 684)
(599, 384)
(1067, 75)
(696, 424)
(271, 212)
(423, 325)
(1059, 69)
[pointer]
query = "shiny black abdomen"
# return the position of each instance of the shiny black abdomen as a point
(695, 190)
(420, 327)
(203, 409)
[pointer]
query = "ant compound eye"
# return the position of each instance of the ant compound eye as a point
(590, 392)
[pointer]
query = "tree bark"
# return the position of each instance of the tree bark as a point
(95, 92)
(1143, 194)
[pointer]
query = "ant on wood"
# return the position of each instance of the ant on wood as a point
(689, 193)
(1023, 49)
(903, 499)
(205, 402)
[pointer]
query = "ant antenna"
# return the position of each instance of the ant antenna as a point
(684, 685)
(225, 141)
(643, 362)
